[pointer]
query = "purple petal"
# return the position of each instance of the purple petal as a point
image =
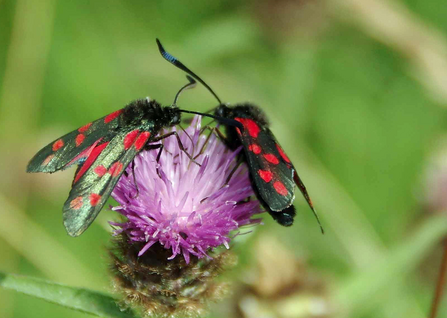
(186, 207)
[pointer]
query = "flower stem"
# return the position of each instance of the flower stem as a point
(441, 281)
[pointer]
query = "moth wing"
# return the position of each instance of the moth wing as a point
(93, 186)
(296, 177)
(272, 176)
(74, 146)
(289, 213)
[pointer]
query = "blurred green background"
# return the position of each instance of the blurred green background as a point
(356, 92)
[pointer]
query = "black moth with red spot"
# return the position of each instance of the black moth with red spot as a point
(102, 149)
(272, 173)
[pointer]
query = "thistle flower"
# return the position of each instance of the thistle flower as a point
(183, 206)
(177, 212)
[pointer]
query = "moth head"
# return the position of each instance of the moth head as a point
(223, 111)
(173, 115)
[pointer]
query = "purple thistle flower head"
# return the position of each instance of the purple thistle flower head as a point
(185, 207)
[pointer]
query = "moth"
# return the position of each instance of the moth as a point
(272, 173)
(102, 149)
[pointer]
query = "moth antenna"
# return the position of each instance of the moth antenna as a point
(318, 220)
(192, 83)
(225, 121)
(171, 59)
(303, 190)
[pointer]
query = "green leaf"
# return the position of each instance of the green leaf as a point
(88, 301)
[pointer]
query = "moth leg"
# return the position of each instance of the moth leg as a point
(180, 144)
(157, 146)
(240, 160)
(208, 126)
(220, 134)
(189, 137)
(204, 128)
(147, 147)
(213, 130)
(206, 141)
(158, 159)
(135, 180)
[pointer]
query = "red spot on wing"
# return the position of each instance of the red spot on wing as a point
(84, 154)
(129, 139)
(271, 158)
(255, 148)
(47, 160)
(84, 128)
(116, 169)
(79, 139)
(58, 144)
(253, 128)
(141, 140)
(241, 120)
(100, 170)
(280, 188)
(265, 175)
(282, 154)
(94, 199)
(250, 125)
(112, 116)
(76, 203)
(90, 160)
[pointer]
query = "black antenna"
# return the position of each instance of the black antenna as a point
(225, 121)
(168, 57)
(318, 219)
(192, 83)
(171, 59)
